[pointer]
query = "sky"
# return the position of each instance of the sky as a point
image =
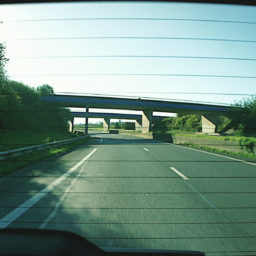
(52, 44)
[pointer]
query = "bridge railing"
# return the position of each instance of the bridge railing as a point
(21, 151)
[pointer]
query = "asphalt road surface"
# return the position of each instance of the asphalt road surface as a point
(130, 192)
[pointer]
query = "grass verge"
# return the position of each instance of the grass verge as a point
(22, 138)
(10, 165)
(211, 137)
(148, 135)
(238, 155)
(129, 131)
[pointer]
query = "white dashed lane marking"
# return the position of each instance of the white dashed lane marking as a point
(179, 173)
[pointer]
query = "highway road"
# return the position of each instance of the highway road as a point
(131, 192)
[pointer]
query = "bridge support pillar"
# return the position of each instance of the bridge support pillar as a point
(72, 125)
(86, 122)
(209, 123)
(146, 121)
(138, 125)
(106, 124)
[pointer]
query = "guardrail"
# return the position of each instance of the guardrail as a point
(21, 151)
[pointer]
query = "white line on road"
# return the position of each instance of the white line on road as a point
(63, 197)
(194, 190)
(12, 216)
(203, 197)
(235, 159)
(146, 149)
(179, 173)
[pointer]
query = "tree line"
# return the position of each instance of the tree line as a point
(242, 120)
(21, 106)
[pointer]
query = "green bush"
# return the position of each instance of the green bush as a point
(163, 136)
(159, 125)
(225, 123)
(184, 122)
(128, 126)
(117, 125)
(244, 118)
(248, 144)
(21, 108)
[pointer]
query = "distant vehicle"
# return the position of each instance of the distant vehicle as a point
(114, 131)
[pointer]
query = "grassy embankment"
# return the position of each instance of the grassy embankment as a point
(11, 140)
(148, 135)
(239, 155)
(247, 144)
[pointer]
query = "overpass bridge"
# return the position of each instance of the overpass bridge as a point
(208, 111)
(106, 117)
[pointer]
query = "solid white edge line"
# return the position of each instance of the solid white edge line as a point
(210, 153)
(61, 200)
(146, 149)
(179, 173)
(16, 213)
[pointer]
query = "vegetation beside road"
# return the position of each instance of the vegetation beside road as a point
(123, 125)
(21, 108)
(241, 139)
(239, 155)
(113, 125)
(242, 120)
(18, 139)
(26, 120)
(11, 165)
(93, 126)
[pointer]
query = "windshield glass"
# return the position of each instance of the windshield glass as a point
(156, 104)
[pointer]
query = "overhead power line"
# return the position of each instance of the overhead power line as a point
(132, 37)
(138, 74)
(135, 56)
(133, 19)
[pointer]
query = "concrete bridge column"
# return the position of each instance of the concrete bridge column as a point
(86, 122)
(72, 124)
(106, 124)
(138, 125)
(209, 123)
(146, 121)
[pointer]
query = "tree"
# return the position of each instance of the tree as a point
(224, 124)
(181, 122)
(244, 117)
(159, 124)
(192, 123)
(3, 61)
(21, 106)
(9, 101)
(128, 126)
(45, 90)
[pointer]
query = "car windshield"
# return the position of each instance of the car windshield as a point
(132, 124)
